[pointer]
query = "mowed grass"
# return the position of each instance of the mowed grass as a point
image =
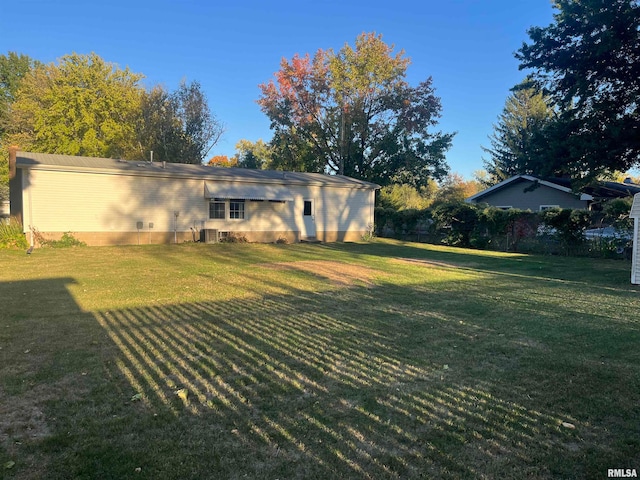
(379, 360)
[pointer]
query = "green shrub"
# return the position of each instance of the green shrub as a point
(569, 226)
(459, 219)
(12, 236)
(67, 240)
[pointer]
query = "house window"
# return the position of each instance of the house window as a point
(547, 207)
(217, 209)
(504, 207)
(236, 209)
(308, 208)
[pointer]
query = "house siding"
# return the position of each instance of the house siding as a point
(89, 202)
(104, 208)
(513, 195)
(635, 256)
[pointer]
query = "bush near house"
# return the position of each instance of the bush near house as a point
(553, 231)
(11, 235)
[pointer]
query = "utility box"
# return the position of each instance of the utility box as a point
(210, 235)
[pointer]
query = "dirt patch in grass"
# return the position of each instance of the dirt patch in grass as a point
(339, 274)
(436, 263)
(21, 419)
(22, 416)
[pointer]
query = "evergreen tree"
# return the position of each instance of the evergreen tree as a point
(515, 142)
(588, 60)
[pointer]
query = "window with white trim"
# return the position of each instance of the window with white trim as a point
(547, 207)
(217, 209)
(236, 209)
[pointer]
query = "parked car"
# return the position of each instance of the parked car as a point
(607, 233)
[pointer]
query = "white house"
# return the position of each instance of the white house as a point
(635, 262)
(106, 202)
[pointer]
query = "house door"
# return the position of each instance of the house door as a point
(309, 219)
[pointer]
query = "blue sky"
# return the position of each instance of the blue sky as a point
(230, 47)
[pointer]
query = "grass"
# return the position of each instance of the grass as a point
(380, 360)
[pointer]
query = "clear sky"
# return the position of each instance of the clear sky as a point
(230, 47)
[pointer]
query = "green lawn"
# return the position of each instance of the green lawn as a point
(379, 360)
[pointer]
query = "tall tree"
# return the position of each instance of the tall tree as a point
(353, 112)
(178, 127)
(13, 67)
(159, 128)
(514, 142)
(588, 60)
(199, 127)
(255, 155)
(82, 106)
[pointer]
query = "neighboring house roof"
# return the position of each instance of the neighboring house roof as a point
(602, 189)
(635, 207)
(46, 161)
(477, 198)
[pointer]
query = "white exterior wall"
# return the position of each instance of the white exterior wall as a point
(111, 203)
(56, 201)
(335, 210)
(635, 258)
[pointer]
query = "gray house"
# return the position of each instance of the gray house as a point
(526, 192)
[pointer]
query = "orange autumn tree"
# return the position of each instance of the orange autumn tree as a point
(353, 112)
(222, 161)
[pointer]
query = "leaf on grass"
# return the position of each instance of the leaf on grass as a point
(9, 464)
(183, 393)
(136, 397)
(568, 425)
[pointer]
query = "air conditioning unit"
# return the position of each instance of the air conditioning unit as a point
(211, 235)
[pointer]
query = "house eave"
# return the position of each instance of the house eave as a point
(158, 170)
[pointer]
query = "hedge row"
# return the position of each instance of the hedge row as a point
(553, 231)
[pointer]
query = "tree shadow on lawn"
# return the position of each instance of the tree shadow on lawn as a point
(334, 384)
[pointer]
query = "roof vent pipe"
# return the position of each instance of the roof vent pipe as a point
(164, 164)
(151, 156)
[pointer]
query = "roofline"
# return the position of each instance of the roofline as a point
(473, 198)
(161, 172)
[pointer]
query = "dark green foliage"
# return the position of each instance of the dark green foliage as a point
(588, 60)
(179, 126)
(616, 212)
(554, 231)
(459, 219)
(514, 142)
(569, 224)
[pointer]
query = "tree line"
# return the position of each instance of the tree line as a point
(353, 112)
(83, 105)
(577, 113)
